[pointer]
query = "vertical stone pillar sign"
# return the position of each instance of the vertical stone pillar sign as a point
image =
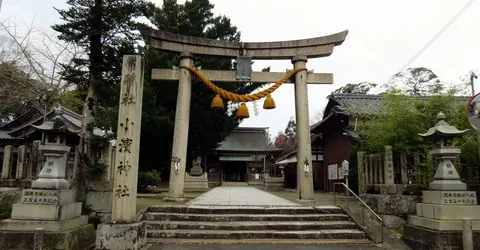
(124, 232)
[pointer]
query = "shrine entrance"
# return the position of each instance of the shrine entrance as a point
(235, 171)
(298, 51)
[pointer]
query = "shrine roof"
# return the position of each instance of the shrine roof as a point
(357, 104)
(247, 139)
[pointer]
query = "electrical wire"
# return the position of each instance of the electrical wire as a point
(434, 38)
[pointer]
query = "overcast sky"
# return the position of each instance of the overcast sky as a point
(383, 36)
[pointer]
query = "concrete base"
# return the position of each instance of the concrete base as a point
(440, 225)
(46, 212)
(56, 184)
(131, 236)
(174, 199)
(79, 238)
(196, 182)
(423, 238)
(48, 226)
(448, 185)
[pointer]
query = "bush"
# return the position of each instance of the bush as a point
(6, 207)
(149, 178)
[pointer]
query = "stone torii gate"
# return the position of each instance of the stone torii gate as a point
(298, 51)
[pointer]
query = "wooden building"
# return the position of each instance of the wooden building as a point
(243, 157)
(331, 140)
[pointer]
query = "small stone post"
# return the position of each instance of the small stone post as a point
(388, 166)
(361, 172)
(404, 168)
(467, 234)
(34, 160)
(21, 162)
(373, 163)
(7, 162)
(38, 238)
(180, 133)
(128, 139)
(367, 170)
(378, 160)
(304, 149)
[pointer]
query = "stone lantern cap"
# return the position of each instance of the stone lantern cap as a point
(57, 125)
(443, 129)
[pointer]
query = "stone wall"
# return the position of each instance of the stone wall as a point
(273, 183)
(196, 183)
(99, 199)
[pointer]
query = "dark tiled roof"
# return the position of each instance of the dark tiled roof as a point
(357, 104)
(4, 135)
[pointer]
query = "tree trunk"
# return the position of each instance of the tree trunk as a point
(88, 123)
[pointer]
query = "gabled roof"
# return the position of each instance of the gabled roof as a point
(247, 139)
(357, 104)
(17, 128)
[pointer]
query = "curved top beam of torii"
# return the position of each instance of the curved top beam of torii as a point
(311, 47)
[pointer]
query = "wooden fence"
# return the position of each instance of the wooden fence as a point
(390, 168)
(25, 162)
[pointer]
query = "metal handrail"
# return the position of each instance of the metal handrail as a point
(363, 206)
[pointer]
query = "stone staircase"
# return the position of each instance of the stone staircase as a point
(291, 224)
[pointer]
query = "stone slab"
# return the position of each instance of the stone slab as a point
(448, 185)
(448, 212)
(423, 238)
(450, 197)
(100, 201)
(48, 226)
(240, 196)
(46, 212)
(75, 239)
(440, 225)
(48, 197)
(121, 236)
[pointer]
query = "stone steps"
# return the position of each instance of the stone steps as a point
(243, 217)
(256, 234)
(365, 243)
(259, 223)
(251, 225)
(246, 209)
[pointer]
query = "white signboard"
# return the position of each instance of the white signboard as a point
(333, 172)
(257, 176)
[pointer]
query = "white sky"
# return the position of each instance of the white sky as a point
(383, 36)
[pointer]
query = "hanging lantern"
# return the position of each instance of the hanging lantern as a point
(269, 103)
(217, 102)
(242, 112)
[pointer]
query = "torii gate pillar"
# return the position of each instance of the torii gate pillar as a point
(304, 148)
(180, 132)
(296, 50)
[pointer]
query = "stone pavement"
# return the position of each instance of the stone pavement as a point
(262, 247)
(239, 196)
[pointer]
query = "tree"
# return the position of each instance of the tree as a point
(361, 88)
(106, 29)
(30, 64)
(207, 127)
(418, 81)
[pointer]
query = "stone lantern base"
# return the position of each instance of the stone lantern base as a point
(55, 211)
(438, 222)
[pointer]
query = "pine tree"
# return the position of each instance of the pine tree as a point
(105, 30)
(207, 127)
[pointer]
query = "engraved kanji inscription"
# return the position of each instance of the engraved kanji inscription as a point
(124, 168)
(125, 145)
(122, 191)
(50, 163)
(125, 124)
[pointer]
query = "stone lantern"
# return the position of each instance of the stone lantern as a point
(438, 221)
(446, 176)
(50, 204)
(52, 175)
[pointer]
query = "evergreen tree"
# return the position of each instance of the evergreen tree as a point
(105, 29)
(207, 127)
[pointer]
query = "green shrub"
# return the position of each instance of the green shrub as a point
(149, 178)
(6, 207)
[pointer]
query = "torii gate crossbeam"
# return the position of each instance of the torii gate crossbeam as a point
(298, 51)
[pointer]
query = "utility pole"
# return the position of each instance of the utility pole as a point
(477, 133)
